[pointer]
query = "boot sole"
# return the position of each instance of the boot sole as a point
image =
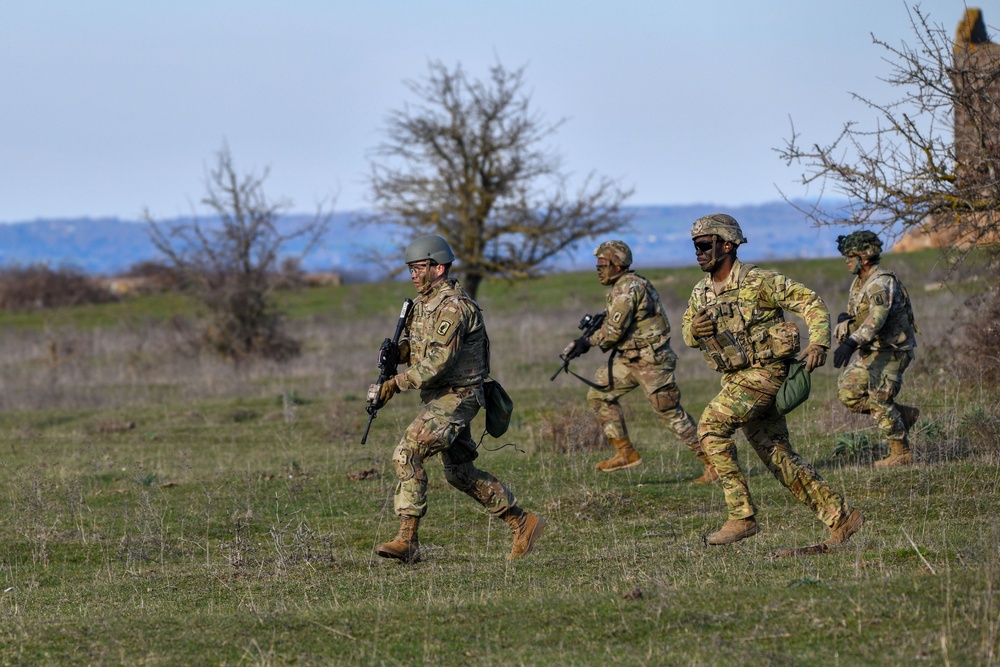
(536, 532)
(730, 540)
(408, 559)
(629, 465)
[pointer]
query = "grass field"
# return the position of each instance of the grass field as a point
(158, 507)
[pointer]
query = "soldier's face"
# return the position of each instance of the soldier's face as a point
(423, 275)
(607, 272)
(854, 264)
(706, 252)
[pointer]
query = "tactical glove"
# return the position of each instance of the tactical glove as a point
(379, 395)
(702, 326)
(843, 327)
(579, 346)
(814, 355)
(843, 353)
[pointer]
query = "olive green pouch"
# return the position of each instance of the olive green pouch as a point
(795, 389)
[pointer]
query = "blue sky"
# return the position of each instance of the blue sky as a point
(114, 106)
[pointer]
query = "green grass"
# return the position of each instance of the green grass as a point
(225, 529)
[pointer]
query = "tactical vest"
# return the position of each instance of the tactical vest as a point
(746, 334)
(471, 365)
(649, 327)
(899, 330)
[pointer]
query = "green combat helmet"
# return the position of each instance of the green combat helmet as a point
(718, 224)
(866, 244)
(616, 252)
(431, 247)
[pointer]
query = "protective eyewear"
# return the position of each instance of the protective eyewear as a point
(704, 246)
(416, 269)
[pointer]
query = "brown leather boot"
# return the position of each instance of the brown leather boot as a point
(909, 414)
(625, 457)
(710, 475)
(733, 530)
(405, 546)
(899, 455)
(849, 524)
(527, 528)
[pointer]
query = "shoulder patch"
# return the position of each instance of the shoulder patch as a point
(878, 298)
(443, 327)
(617, 317)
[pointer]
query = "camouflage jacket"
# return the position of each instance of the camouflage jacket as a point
(634, 318)
(447, 337)
(882, 312)
(751, 306)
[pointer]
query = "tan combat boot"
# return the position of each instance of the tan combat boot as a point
(625, 457)
(849, 524)
(710, 475)
(733, 530)
(405, 546)
(899, 455)
(909, 414)
(527, 528)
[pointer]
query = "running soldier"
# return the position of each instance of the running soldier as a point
(879, 324)
(736, 317)
(447, 352)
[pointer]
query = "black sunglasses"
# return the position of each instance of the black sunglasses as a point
(704, 246)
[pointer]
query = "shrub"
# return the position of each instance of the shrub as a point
(38, 287)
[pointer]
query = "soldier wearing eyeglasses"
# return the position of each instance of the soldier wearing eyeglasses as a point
(736, 316)
(446, 350)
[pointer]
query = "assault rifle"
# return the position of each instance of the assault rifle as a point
(589, 324)
(388, 360)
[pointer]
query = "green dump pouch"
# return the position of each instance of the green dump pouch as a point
(795, 389)
(499, 408)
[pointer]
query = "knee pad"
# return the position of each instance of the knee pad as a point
(665, 399)
(406, 464)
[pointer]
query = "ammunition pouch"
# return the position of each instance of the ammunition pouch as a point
(777, 342)
(723, 352)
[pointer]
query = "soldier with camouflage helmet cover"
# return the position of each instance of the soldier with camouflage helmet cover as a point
(879, 325)
(636, 328)
(446, 349)
(736, 316)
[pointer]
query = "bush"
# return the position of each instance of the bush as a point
(38, 287)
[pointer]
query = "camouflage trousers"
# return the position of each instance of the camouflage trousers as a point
(443, 427)
(869, 385)
(653, 371)
(747, 401)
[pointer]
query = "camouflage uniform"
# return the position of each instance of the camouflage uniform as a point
(449, 359)
(881, 325)
(750, 307)
(636, 327)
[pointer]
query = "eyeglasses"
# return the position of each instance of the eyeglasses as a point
(418, 268)
(603, 266)
(704, 246)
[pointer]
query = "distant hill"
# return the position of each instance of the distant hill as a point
(658, 237)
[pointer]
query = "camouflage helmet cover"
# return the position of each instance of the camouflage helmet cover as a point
(616, 252)
(432, 247)
(718, 224)
(864, 243)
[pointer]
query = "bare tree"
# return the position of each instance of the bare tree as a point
(468, 162)
(231, 258)
(933, 160)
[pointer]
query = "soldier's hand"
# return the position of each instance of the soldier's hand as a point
(843, 352)
(702, 326)
(404, 352)
(577, 347)
(814, 355)
(379, 394)
(843, 327)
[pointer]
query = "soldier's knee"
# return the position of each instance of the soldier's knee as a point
(852, 401)
(666, 398)
(407, 464)
(460, 475)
